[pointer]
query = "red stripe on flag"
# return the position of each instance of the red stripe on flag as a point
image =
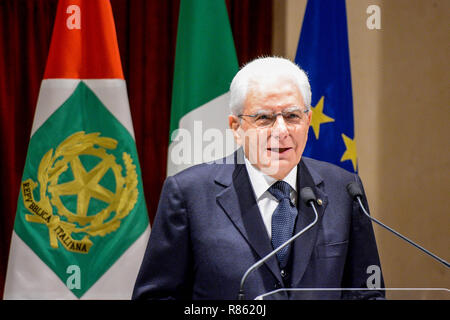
(84, 43)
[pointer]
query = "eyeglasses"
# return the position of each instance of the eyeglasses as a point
(265, 119)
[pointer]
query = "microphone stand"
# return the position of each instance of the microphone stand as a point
(401, 236)
(274, 252)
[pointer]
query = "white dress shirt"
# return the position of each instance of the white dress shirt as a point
(267, 203)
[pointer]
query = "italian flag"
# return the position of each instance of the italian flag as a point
(81, 225)
(205, 64)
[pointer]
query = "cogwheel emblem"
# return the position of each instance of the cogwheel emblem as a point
(62, 222)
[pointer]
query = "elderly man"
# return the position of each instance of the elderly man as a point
(216, 220)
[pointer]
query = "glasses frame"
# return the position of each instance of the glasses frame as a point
(275, 115)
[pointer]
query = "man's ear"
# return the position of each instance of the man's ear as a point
(309, 117)
(235, 124)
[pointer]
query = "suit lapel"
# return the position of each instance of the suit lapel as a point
(238, 201)
(304, 245)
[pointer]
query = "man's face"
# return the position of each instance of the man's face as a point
(275, 149)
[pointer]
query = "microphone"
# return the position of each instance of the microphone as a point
(356, 193)
(308, 197)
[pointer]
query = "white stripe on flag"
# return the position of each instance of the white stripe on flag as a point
(111, 92)
(212, 115)
(53, 93)
(118, 282)
(28, 274)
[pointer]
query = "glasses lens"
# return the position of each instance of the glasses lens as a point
(264, 120)
(293, 117)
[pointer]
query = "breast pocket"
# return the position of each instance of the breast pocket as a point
(330, 250)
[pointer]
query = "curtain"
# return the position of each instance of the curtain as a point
(146, 33)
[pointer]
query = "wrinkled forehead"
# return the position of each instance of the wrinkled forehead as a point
(272, 93)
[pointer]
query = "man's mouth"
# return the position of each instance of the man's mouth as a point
(279, 150)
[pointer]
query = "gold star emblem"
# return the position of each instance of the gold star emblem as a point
(318, 117)
(350, 153)
(86, 185)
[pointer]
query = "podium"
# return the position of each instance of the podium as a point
(356, 294)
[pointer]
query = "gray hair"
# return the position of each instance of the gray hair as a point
(268, 67)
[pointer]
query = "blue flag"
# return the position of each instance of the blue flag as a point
(323, 53)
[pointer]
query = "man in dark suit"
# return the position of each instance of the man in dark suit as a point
(216, 220)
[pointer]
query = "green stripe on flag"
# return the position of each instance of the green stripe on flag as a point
(205, 61)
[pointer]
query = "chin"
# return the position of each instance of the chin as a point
(279, 169)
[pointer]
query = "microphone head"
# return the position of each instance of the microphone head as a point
(354, 190)
(307, 195)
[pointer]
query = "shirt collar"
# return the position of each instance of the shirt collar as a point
(261, 182)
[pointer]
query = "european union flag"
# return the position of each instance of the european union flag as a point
(323, 53)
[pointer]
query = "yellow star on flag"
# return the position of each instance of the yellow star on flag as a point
(350, 153)
(318, 117)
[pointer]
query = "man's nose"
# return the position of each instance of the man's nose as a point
(280, 128)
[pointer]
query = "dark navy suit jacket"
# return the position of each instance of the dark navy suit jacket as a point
(208, 231)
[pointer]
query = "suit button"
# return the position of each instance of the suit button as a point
(283, 273)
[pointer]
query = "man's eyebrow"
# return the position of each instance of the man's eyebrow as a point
(261, 111)
(293, 108)
(289, 109)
